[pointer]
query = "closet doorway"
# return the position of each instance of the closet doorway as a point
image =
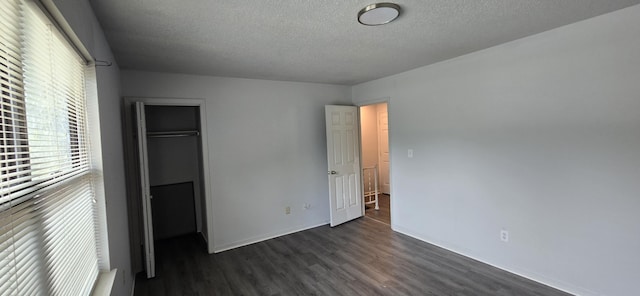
(374, 141)
(167, 174)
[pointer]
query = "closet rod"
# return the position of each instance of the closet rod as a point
(172, 134)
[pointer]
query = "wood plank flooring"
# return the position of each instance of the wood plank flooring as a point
(362, 257)
(383, 214)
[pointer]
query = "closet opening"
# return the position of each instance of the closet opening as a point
(374, 142)
(174, 171)
(166, 175)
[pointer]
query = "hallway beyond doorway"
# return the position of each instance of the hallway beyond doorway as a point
(383, 214)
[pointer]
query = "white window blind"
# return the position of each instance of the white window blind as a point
(47, 202)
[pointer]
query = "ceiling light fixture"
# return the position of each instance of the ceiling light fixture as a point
(378, 14)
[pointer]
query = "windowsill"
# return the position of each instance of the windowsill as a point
(104, 283)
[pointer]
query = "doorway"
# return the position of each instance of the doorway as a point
(167, 175)
(376, 183)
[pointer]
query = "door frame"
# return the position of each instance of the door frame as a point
(133, 206)
(381, 100)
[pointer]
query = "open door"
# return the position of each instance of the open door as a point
(383, 148)
(145, 191)
(343, 157)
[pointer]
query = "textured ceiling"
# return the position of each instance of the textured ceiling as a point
(320, 41)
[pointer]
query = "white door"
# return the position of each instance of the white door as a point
(383, 148)
(343, 157)
(145, 191)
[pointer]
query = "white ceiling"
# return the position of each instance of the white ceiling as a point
(320, 41)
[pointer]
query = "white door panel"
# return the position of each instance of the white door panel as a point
(383, 148)
(343, 155)
(145, 191)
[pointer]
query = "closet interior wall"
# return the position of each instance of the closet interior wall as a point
(174, 169)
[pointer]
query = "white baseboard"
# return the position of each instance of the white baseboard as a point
(556, 284)
(253, 240)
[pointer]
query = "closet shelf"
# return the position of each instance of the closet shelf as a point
(173, 134)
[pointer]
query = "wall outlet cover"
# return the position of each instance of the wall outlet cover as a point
(504, 235)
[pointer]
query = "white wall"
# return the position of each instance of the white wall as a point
(369, 135)
(267, 149)
(540, 136)
(83, 22)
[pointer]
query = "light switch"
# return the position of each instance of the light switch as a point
(410, 153)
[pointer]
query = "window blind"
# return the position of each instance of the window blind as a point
(47, 200)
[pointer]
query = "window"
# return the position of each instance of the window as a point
(49, 242)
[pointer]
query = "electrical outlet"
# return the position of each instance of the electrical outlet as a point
(287, 210)
(410, 153)
(307, 206)
(504, 235)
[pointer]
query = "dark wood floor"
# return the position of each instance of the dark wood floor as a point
(362, 257)
(383, 214)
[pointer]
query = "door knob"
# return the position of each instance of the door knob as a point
(332, 172)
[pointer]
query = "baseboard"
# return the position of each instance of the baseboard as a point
(261, 238)
(556, 284)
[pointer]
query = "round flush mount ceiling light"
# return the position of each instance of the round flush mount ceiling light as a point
(378, 14)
